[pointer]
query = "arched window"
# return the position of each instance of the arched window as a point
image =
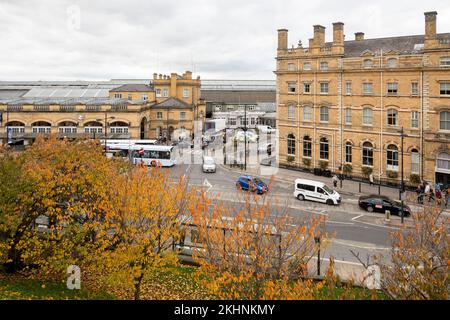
(368, 63)
(324, 149)
(443, 162)
(392, 63)
(93, 127)
(307, 113)
(324, 115)
(367, 154)
(41, 127)
(415, 161)
(291, 145)
(348, 152)
(291, 112)
(392, 117)
(118, 127)
(67, 127)
(307, 147)
(444, 120)
(368, 116)
(392, 157)
(16, 126)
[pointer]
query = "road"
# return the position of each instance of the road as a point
(352, 228)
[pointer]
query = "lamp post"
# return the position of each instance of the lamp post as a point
(402, 186)
(106, 129)
(317, 241)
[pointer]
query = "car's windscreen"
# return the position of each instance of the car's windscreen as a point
(209, 161)
(328, 190)
(257, 181)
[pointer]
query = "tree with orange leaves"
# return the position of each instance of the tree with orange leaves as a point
(254, 252)
(419, 259)
(144, 222)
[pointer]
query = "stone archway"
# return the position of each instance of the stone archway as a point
(143, 128)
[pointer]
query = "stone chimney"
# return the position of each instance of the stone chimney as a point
(282, 39)
(430, 25)
(155, 76)
(173, 85)
(188, 75)
(319, 36)
(338, 34)
(359, 36)
(311, 43)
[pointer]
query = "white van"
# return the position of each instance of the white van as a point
(209, 165)
(315, 191)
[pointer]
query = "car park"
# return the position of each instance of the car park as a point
(253, 184)
(315, 191)
(209, 164)
(376, 203)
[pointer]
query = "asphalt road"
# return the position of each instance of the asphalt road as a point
(351, 227)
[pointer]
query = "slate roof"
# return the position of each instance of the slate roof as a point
(133, 88)
(403, 45)
(236, 97)
(172, 103)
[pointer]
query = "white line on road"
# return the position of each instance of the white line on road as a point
(352, 244)
(339, 222)
(357, 217)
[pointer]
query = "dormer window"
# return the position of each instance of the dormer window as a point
(392, 63)
(368, 63)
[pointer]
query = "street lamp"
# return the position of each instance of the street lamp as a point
(402, 186)
(106, 129)
(317, 241)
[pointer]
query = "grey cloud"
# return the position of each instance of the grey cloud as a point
(218, 39)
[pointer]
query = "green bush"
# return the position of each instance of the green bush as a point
(307, 162)
(348, 169)
(414, 179)
(392, 174)
(367, 171)
(323, 165)
(290, 159)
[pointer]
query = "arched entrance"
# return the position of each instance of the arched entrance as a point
(143, 127)
(443, 168)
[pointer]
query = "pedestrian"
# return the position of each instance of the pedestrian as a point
(447, 196)
(335, 181)
(438, 196)
(420, 193)
(371, 179)
(431, 195)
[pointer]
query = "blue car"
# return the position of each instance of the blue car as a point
(252, 184)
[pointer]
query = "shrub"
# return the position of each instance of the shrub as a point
(367, 171)
(414, 179)
(348, 169)
(307, 162)
(323, 165)
(290, 159)
(392, 174)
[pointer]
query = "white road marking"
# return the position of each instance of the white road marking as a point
(357, 217)
(360, 245)
(339, 222)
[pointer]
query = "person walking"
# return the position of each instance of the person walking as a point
(335, 181)
(447, 196)
(371, 179)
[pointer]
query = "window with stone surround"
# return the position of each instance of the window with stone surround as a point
(307, 113)
(307, 66)
(367, 116)
(392, 117)
(415, 161)
(392, 158)
(367, 88)
(367, 154)
(392, 63)
(291, 87)
(414, 88)
(291, 67)
(291, 145)
(323, 66)
(291, 112)
(306, 87)
(324, 149)
(324, 87)
(348, 115)
(348, 88)
(444, 88)
(414, 119)
(307, 147)
(324, 114)
(368, 63)
(444, 120)
(348, 152)
(392, 88)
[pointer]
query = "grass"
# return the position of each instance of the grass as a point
(15, 287)
(175, 283)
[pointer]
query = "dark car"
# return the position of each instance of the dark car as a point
(375, 203)
(252, 184)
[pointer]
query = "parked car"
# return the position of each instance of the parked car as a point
(315, 191)
(209, 164)
(266, 129)
(375, 203)
(268, 161)
(252, 184)
(268, 148)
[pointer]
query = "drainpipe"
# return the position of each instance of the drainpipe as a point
(382, 118)
(421, 126)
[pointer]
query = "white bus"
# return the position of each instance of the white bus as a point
(129, 141)
(150, 155)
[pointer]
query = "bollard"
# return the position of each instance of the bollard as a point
(388, 216)
(340, 183)
(379, 189)
(360, 187)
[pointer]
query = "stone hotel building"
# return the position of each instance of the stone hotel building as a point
(342, 104)
(165, 106)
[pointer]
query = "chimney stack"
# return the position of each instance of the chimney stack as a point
(188, 75)
(359, 36)
(282, 39)
(430, 25)
(173, 84)
(319, 36)
(155, 76)
(338, 34)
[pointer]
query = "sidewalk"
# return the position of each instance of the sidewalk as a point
(349, 187)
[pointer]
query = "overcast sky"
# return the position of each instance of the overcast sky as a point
(217, 39)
